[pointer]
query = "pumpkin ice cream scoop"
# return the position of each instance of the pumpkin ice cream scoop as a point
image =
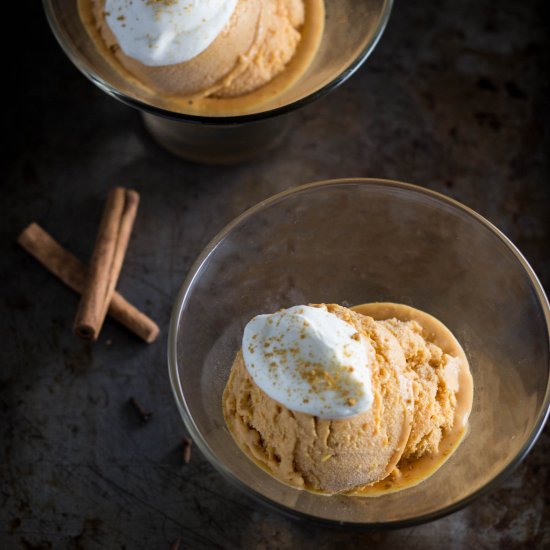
(207, 49)
(331, 400)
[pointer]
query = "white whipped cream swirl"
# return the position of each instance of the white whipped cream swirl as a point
(166, 32)
(311, 361)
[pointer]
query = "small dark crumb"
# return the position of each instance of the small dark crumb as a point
(144, 416)
(514, 90)
(186, 444)
(486, 84)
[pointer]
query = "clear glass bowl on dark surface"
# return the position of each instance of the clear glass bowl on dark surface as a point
(352, 30)
(356, 241)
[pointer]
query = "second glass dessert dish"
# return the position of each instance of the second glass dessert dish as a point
(353, 242)
(215, 79)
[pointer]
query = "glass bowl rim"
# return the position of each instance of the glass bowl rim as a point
(89, 73)
(218, 239)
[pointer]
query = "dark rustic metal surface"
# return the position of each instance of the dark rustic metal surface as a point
(454, 98)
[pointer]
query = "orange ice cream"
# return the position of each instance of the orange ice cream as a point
(422, 397)
(255, 46)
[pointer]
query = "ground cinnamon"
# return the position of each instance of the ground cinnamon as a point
(72, 272)
(106, 262)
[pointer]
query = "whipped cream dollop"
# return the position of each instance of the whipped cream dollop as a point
(310, 361)
(166, 32)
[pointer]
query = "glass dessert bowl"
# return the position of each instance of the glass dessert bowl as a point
(236, 131)
(357, 241)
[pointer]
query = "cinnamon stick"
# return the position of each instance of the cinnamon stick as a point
(107, 258)
(73, 273)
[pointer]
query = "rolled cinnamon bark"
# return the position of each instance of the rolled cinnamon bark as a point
(73, 273)
(106, 262)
